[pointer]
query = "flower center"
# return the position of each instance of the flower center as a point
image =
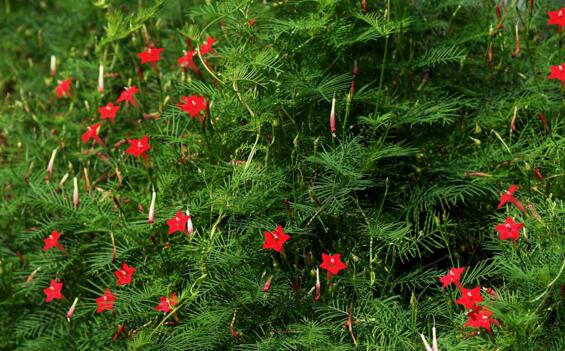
(507, 225)
(469, 294)
(108, 107)
(560, 68)
(139, 145)
(124, 273)
(332, 261)
(560, 14)
(52, 288)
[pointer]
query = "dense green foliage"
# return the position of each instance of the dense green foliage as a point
(407, 188)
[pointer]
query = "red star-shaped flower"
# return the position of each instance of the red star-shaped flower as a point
(192, 105)
(150, 55)
(105, 302)
(187, 61)
(53, 241)
(178, 223)
(481, 317)
(453, 276)
(275, 240)
(63, 88)
(557, 17)
(109, 111)
(139, 147)
(128, 96)
(508, 196)
(557, 72)
(206, 47)
(509, 229)
(166, 304)
(124, 274)
(53, 291)
(470, 297)
(332, 263)
(92, 133)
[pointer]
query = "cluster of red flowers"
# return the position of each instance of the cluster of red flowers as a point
(193, 105)
(480, 316)
(557, 18)
(276, 239)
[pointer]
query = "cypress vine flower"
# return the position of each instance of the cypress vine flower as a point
(206, 47)
(453, 276)
(109, 111)
(150, 55)
(508, 196)
(53, 291)
(189, 227)
(481, 317)
(128, 96)
(557, 17)
(557, 72)
(267, 285)
(51, 164)
(139, 147)
(92, 133)
(124, 274)
(470, 297)
(178, 223)
(53, 241)
(106, 301)
(275, 240)
(187, 60)
(333, 263)
(192, 105)
(509, 229)
(63, 88)
(166, 304)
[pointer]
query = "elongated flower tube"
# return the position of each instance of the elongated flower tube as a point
(332, 118)
(72, 309)
(267, 285)
(101, 79)
(434, 346)
(51, 163)
(152, 208)
(53, 65)
(189, 227)
(75, 192)
(318, 286)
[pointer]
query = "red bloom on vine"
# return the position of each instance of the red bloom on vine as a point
(128, 96)
(557, 17)
(53, 291)
(509, 229)
(124, 274)
(187, 60)
(508, 196)
(53, 241)
(333, 263)
(206, 47)
(150, 55)
(481, 317)
(139, 147)
(92, 133)
(557, 72)
(63, 88)
(275, 240)
(470, 297)
(192, 105)
(453, 276)
(166, 304)
(109, 111)
(105, 302)
(178, 223)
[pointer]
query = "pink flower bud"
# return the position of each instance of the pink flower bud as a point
(101, 79)
(53, 65)
(318, 286)
(75, 193)
(267, 285)
(72, 309)
(51, 163)
(189, 227)
(152, 208)
(332, 118)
